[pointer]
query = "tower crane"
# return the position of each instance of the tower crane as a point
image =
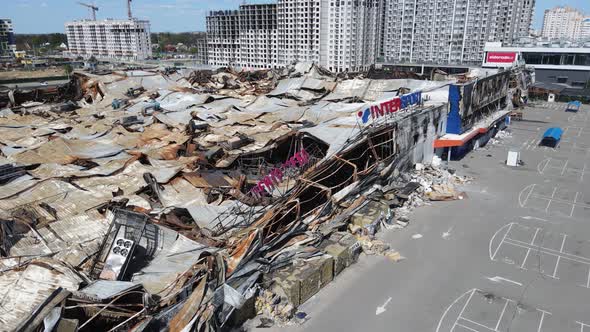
(129, 9)
(93, 8)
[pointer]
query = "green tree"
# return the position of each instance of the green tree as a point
(68, 69)
(193, 50)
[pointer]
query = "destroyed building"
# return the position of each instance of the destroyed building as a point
(182, 200)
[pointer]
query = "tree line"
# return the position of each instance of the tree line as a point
(30, 41)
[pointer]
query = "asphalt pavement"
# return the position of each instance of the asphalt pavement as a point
(513, 256)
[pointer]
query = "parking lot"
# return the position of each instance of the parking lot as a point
(513, 256)
(550, 244)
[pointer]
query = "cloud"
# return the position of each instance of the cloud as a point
(44, 4)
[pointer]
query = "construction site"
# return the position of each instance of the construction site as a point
(167, 199)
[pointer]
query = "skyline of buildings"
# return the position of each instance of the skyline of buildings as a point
(345, 35)
(340, 35)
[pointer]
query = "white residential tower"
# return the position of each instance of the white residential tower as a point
(562, 23)
(7, 40)
(110, 39)
(451, 32)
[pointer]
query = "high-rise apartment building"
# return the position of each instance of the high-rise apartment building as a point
(223, 42)
(246, 37)
(299, 24)
(453, 32)
(258, 35)
(201, 55)
(113, 39)
(7, 41)
(339, 35)
(350, 38)
(585, 29)
(562, 23)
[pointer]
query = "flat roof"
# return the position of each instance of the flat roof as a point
(537, 49)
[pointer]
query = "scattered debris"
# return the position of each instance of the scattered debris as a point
(127, 201)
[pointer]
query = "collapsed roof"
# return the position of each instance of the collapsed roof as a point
(172, 163)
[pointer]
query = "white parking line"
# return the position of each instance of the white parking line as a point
(503, 239)
(559, 254)
(476, 323)
(465, 327)
(451, 305)
(549, 203)
(550, 199)
(528, 251)
(582, 325)
(546, 161)
(542, 318)
(501, 316)
(564, 167)
(549, 251)
(477, 326)
(555, 269)
(463, 309)
(574, 205)
(522, 203)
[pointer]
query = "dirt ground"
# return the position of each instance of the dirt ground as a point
(18, 74)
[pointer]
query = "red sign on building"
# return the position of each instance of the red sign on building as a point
(501, 57)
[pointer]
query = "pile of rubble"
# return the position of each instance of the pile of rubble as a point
(184, 200)
(227, 81)
(500, 137)
(389, 208)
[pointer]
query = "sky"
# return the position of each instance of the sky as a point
(46, 16)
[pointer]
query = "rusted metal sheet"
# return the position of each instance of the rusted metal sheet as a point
(190, 308)
(208, 179)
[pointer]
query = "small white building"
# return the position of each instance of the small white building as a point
(127, 39)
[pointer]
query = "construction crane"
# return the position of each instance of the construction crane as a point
(129, 9)
(93, 8)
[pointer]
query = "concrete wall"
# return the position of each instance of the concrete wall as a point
(416, 134)
(551, 75)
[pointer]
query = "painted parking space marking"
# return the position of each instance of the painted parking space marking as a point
(579, 117)
(576, 132)
(479, 311)
(564, 146)
(556, 167)
(555, 200)
(556, 106)
(558, 256)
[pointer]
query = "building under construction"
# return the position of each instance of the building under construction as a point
(121, 39)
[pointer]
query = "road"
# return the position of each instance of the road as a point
(513, 256)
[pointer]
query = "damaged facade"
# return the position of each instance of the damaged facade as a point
(189, 200)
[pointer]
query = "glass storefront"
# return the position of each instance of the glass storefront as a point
(536, 58)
